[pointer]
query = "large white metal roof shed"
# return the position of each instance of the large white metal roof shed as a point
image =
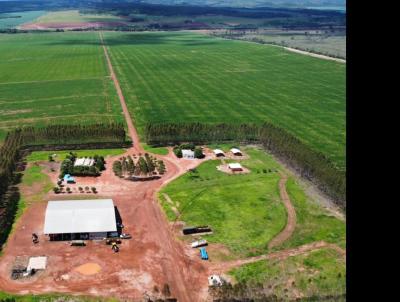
(80, 216)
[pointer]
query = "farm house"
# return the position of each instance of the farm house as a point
(218, 153)
(188, 154)
(80, 219)
(235, 167)
(236, 152)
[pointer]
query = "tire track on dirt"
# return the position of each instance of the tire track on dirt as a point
(279, 255)
(291, 218)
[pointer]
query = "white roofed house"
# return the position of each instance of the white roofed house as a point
(235, 167)
(188, 154)
(218, 152)
(80, 219)
(236, 151)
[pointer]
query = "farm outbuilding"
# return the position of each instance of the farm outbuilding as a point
(188, 154)
(85, 162)
(236, 151)
(80, 219)
(37, 263)
(235, 167)
(218, 152)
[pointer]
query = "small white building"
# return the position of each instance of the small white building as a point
(235, 167)
(236, 151)
(37, 263)
(218, 152)
(188, 154)
(86, 162)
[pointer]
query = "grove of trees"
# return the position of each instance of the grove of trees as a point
(144, 167)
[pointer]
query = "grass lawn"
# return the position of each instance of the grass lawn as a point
(35, 185)
(319, 273)
(244, 211)
(155, 150)
(313, 223)
(49, 78)
(181, 76)
(61, 155)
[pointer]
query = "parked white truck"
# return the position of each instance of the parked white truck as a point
(199, 243)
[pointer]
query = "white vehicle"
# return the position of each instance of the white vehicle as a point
(199, 243)
(214, 280)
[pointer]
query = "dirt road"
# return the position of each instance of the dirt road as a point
(131, 128)
(291, 218)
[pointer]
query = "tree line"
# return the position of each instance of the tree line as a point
(54, 135)
(311, 164)
(73, 134)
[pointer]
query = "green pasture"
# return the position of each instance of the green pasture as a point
(245, 211)
(155, 150)
(181, 76)
(320, 273)
(54, 78)
(313, 223)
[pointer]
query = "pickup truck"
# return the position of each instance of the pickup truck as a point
(199, 243)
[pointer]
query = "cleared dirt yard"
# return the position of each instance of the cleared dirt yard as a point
(153, 257)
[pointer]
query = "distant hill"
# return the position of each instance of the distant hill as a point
(322, 4)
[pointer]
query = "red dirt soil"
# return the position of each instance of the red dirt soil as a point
(153, 257)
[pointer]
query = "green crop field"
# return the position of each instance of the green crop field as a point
(179, 77)
(54, 78)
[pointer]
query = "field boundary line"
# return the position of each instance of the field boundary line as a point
(131, 128)
(287, 232)
(307, 53)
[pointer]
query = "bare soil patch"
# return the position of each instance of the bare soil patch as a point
(88, 269)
